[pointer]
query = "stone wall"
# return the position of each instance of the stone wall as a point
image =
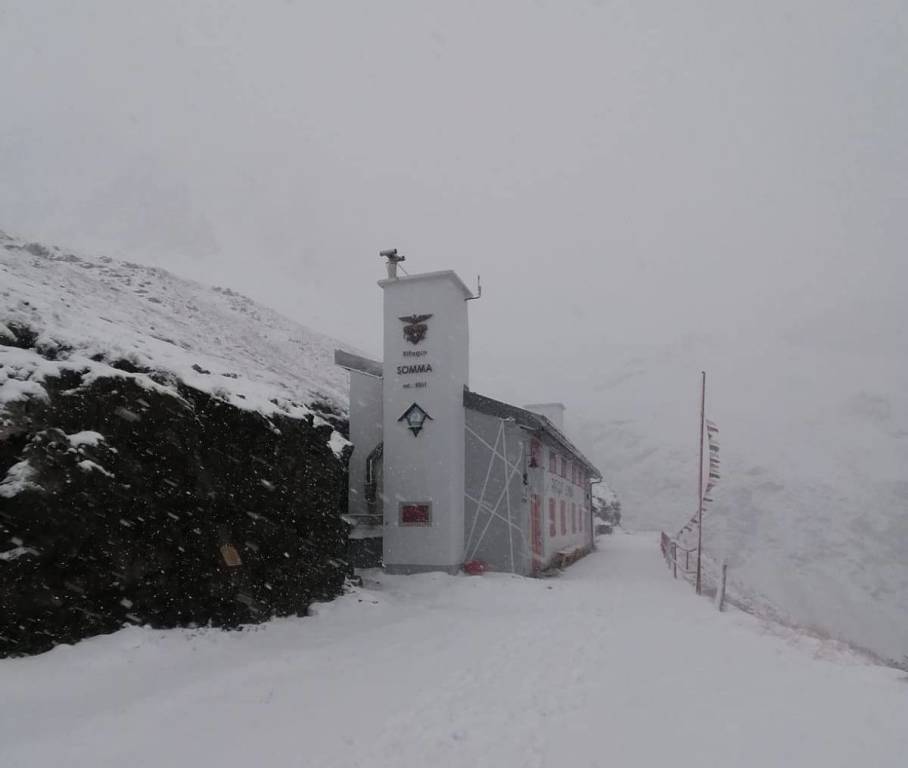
(160, 505)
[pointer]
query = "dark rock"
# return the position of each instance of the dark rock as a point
(189, 512)
(23, 336)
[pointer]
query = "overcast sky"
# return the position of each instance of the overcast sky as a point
(620, 172)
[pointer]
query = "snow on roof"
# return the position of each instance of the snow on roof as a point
(90, 312)
(444, 274)
(528, 419)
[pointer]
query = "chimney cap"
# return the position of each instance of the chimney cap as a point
(391, 255)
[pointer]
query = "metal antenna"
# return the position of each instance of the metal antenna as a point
(478, 290)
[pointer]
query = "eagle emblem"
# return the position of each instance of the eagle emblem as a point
(415, 327)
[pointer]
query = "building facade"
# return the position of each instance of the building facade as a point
(443, 476)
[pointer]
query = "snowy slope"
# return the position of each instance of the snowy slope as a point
(212, 339)
(812, 507)
(612, 664)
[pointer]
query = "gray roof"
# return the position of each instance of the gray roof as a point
(529, 420)
(357, 363)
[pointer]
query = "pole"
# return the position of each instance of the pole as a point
(720, 595)
(700, 486)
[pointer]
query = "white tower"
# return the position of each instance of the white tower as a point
(426, 367)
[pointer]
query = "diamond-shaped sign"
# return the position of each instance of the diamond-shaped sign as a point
(416, 418)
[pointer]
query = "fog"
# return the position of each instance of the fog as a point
(648, 189)
(619, 173)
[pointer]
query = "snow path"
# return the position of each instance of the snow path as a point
(612, 664)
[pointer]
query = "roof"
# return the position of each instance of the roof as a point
(446, 274)
(527, 419)
(358, 363)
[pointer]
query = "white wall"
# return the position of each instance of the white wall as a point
(365, 434)
(563, 489)
(428, 467)
(497, 518)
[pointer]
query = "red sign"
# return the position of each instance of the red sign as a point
(415, 514)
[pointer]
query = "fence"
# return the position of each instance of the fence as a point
(682, 559)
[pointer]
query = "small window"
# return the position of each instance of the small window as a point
(573, 518)
(535, 453)
(553, 460)
(563, 471)
(416, 513)
(552, 531)
(563, 518)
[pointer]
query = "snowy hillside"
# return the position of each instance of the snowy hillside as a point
(214, 340)
(170, 454)
(611, 664)
(812, 507)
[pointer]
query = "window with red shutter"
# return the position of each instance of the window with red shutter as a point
(552, 531)
(563, 518)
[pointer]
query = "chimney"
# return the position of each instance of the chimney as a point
(392, 260)
(554, 412)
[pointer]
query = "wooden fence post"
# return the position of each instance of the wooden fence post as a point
(720, 592)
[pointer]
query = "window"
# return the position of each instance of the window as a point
(552, 532)
(553, 460)
(563, 467)
(412, 513)
(535, 453)
(573, 518)
(563, 518)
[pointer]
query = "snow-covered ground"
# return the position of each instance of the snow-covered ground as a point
(611, 664)
(812, 507)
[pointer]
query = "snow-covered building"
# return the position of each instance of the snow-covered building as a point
(443, 476)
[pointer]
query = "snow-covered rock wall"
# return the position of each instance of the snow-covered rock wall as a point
(169, 454)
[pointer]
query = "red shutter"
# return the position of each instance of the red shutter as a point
(536, 526)
(552, 531)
